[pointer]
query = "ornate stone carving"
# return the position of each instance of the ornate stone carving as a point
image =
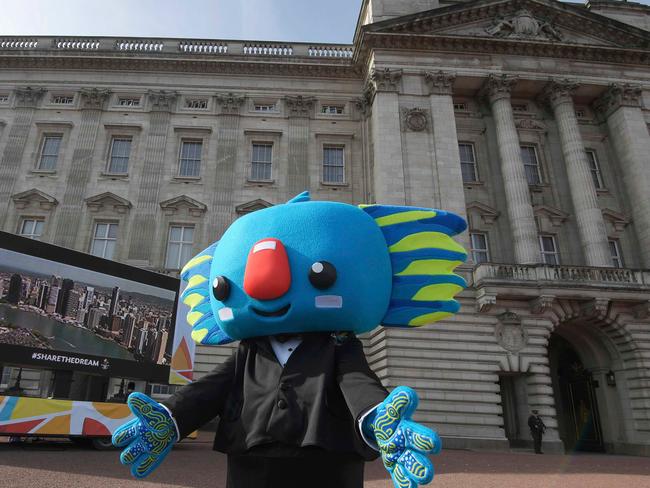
(509, 332)
(230, 103)
(598, 307)
(642, 310)
(94, 98)
(556, 92)
(523, 25)
(485, 301)
(415, 119)
(618, 95)
(300, 106)
(439, 83)
(194, 207)
(28, 97)
(162, 100)
(530, 124)
(108, 200)
(386, 79)
(541, 304)
(496, 87)
(41, 199)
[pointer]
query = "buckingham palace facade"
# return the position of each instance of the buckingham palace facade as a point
(528, 117)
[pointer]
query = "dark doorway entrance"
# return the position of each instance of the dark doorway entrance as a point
(577, 408)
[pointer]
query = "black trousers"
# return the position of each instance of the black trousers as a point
(537, 441)
(318, 470)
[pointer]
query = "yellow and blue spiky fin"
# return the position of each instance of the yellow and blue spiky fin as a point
(205, 329)
(423, 256)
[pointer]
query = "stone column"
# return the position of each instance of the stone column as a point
(445, 140)
(26, 101)
(299, 109)
(388, 172)
(66, 233)
(520, 211)
(143, 227)
(591, 226)
(621, 106)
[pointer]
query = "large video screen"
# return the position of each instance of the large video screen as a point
(63, 309)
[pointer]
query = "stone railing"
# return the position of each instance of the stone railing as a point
(560, 275)
(154, 46)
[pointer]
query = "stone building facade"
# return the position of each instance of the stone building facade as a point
(528, 117)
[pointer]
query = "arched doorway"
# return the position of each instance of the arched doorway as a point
(576, 400)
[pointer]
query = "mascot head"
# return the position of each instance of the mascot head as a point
(308, 266)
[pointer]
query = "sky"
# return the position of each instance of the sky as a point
(323, 21)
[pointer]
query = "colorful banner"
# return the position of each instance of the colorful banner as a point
(44, 416)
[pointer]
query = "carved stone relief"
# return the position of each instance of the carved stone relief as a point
(509, 332)
(415, 119)
(523, 25)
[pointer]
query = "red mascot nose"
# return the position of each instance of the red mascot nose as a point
(267, 274)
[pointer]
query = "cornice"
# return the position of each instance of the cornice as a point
(618, 95)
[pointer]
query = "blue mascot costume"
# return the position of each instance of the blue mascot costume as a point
(297, 402)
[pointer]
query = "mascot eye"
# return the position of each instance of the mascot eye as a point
(220, 288)
(322, 274)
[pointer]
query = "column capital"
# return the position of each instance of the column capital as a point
(618, 95)
(497, 87)
(439, 82)
(299, 106)
(162, 100)
(93, 98)
(230, 102)
(556, 92)
(386, 80)
(28, 97)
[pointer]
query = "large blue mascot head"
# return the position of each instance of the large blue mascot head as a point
(323, 266)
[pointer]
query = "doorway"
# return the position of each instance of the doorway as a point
(514, 406)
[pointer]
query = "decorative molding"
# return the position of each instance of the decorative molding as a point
(618, 220)
(94, 98)
(530, 124)
(194, 207)
(555, 215)
(541, 304)
(597, 307)
(300, 106)
(252, 206)
(523, 25)
(485, 301)
(487, 213)
(386, 80)
(24, 199)
(618, 95)
(415, 119)
(556, 92)
(497, 87)
(162, 100)
(28, 97)
(230, 103)
(106, 200)
(509, 332)
(642, 310)
(440, 82)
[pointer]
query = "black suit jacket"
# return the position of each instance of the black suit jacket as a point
(315, 400)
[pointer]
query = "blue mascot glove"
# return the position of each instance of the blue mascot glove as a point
(149, 436)
(403, 444)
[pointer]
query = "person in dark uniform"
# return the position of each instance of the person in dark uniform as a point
(537, 429)
(297, 403)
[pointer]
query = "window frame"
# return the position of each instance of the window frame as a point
(595, 169)
(31, 235)
(119, 98)
(44, 137)
(251, 176)
(180, 261)
(473, 163)
(323, 165)
(62, 99)
(474, 250)
(109, 162)
(190, 140)
(544, 253)
(538, 165)
(335, 106)
(618, 255)
(104, 239)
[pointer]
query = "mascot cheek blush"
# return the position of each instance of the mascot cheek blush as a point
(294, 284)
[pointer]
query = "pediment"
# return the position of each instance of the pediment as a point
(173, 205)
(108, 201)
(487, 213)
(617, 219)
(34, 196)
(546, 21)
(252, 206)
(555, 215)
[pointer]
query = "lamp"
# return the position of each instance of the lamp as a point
(610, 377)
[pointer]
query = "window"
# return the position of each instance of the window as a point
(128, 101)
(264, 107)
(548, 249)
(49, 152)
(615, 251)
(62, 99)
(196, 103)
(331, 109)
(519, 107)
(531, 165)
(190, 160)
(479, 247)
(580, 113)
(104, 240)
(32, 228)
(179, 246)
(333, 165)
(467, 162)
(4, 98)
(460, 107)
(118, 162)
(596, 175)
(261, 164)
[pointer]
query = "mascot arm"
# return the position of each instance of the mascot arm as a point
(199, 402)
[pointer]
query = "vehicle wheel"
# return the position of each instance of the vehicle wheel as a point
(103, 443)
